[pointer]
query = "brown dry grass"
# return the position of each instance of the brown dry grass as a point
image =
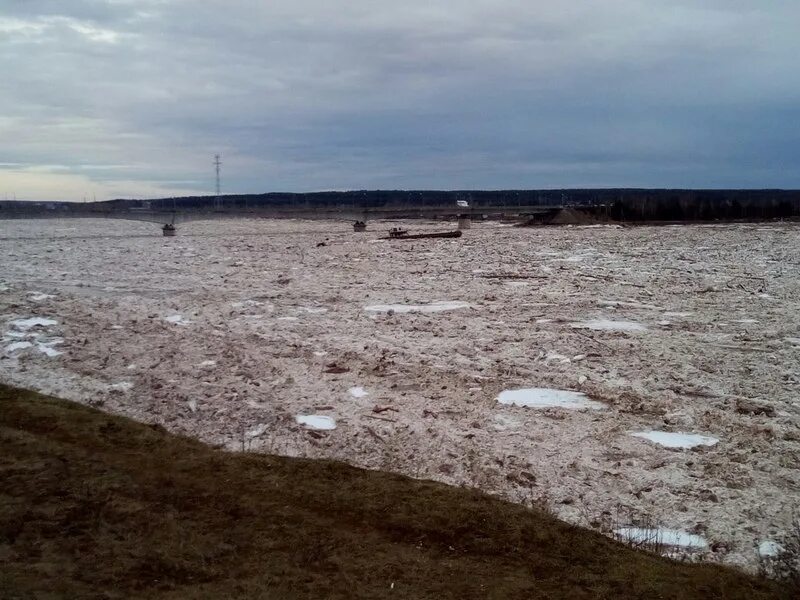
(96, 506)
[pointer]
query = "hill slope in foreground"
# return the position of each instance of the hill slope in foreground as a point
(97, 506)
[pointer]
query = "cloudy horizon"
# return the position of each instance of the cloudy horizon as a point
(132, 98)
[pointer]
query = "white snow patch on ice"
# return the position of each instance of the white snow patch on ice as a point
(176, 320)
(122, 386)
(661, 536)
(503, 422)
(18, 346)
(26, 324)
(358, 392)
(676, 440)
(256, 431)
(47, 348)
(207, 363)
(608, 325)
(547, 398)
(433, 307)
(769, 549)
(626, 304)
(316, 422)
(40, 296)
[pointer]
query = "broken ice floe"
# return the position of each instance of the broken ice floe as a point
(676, 440)
(608, 325)
(548, 398)
(40, 296)
(122, 386)
(626, 304)
(769, 549)
(358, 392)
(207, 363)
(176, 320)
(504, 422)
(316, 422)
(18, 346)
(256, 431)
(679, 315)
(662, 537)
(793, 341)
(432, 307)
(26, 324)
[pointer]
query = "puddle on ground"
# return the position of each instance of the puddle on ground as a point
(676, 440)
(548, 398)
(608, 325)
(316, 422)
(432, 307)
(674, 538)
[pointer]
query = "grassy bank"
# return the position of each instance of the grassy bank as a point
(96, 506)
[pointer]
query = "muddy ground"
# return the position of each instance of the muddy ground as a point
(231, 330)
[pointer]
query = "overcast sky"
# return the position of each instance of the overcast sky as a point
(132, 98)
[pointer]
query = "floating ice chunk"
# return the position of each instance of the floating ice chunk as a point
(543, 321)
(47, 348)
(626, 304)
(607, 325)
(661, 536)
(313, 310)
(320, 353)
(680, 315)
(676, 440)
(39, 296)
(18, 346)
(256, 431)
(192, 404)
(547, 398)
(517, 283)
(316, 422)
(432, 307)
(745, 321)
(122, 386)
(26, 324)
(176, 320)
(769, 549)
(793, 341)
(358, 392)
(504, 422)
(207, 363)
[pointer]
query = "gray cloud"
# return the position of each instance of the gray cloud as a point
(134, 97)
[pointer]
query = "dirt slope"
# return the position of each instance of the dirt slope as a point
(97, 506)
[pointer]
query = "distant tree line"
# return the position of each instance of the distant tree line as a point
(617, 204)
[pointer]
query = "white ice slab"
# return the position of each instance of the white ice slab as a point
(18, 346)
(676, 440)
(122, 386)
(678, 314)
(316, 422)
(176, 320)
(769, 549)
(793, 341)
(626, 304)
(665, 537)
(39, 296)
(26, 324)
(548, 398)
(608, 325)
(358, 392)
(424, 308)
